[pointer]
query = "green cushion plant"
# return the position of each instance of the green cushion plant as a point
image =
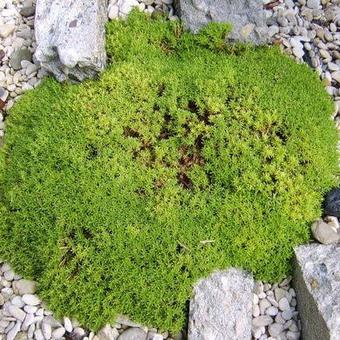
(186, 156)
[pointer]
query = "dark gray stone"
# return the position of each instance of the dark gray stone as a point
(317, 285)
(71, 37)
(18, 56)
(27, 11)
(221, 307)
(247, 17)
(332, 203)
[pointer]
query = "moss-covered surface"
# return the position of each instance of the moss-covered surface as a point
(184, 157)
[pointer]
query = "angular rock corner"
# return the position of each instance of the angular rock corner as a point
(317, 284)
(71, 37)
(221, 306)
(248, 18)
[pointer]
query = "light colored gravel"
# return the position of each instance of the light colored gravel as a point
(274, 311)
(306, 30)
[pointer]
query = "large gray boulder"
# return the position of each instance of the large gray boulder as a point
(317, 284)
(221, 307)
(71, 37)
(246, 16)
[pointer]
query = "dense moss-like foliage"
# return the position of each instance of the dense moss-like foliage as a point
(184, 157)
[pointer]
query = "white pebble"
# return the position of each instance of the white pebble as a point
(262, 321)
(30, 331)
(31, 299)
(287, 314)
(256, 311)
(14, 331)
(29, 319)
(272, 311)
(46, 330)
(16, 312)
(30, 309)
(275, 329)
(9, 275)
(68, 324)
(284, 304)
(58, 333)
(38, 335)
(17, 301)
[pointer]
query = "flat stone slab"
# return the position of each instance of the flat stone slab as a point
(247, 17)
(221, 307)
(317, 283)
(71, 37)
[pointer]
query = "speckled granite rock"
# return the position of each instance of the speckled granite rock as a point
(70, 37)
(221, 307)
(317, 284)
(247, 17)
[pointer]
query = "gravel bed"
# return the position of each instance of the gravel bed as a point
(274, 311)
(308, 30)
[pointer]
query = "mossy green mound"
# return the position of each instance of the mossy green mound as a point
(185, 157)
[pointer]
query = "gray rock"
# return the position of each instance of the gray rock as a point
(221, 306)
(264, 304)
(256, 311)
(336, 76)
(27, 11)
(108, 333)
(46, 330)
(16, 312)
(21, 336)
(18, 56)
(6, 30)
(279, 293)
(293, 335)
(325, 233)
(58, 333)
(14, 331)
(313, 4)
(247, 17)
(287, 314)
(284, 304)
(133, 334)
(23, 286)
(262, 321)
(275, 329)
(317, 285)
(70, 37)
(272, 311)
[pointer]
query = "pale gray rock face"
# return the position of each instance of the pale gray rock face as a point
(221, 307)
(247, 17)
(317, 282)
(70, 37)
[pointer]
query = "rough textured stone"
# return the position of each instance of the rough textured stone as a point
(221, 306)
(70, 37)
(247, 17)
(317, 282)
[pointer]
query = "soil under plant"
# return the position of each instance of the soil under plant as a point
(186, 156)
